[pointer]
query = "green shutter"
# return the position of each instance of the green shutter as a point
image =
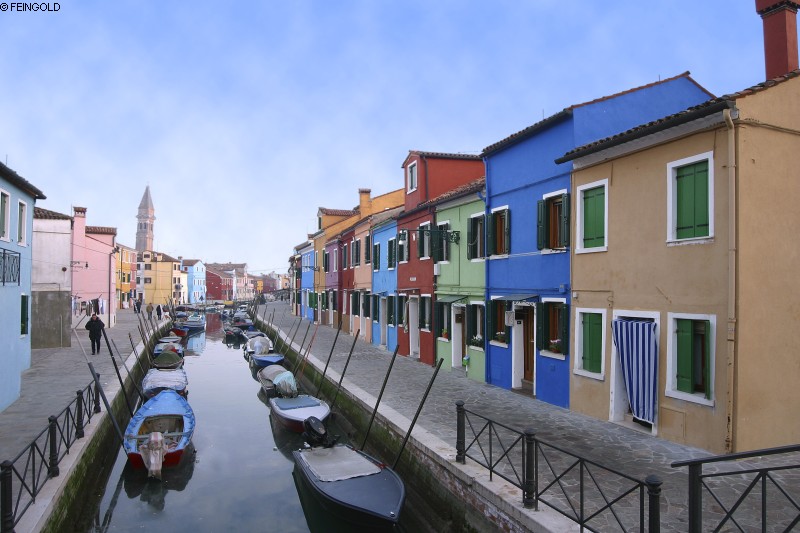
(541, 324)
(684, 359)
(564, 222)
(507, 232)
(23, 307)
(471, 241)
(708, 373)
(594, 217)
(541, 225)
(436, 245)
(420, 244)
(367, 249)
(692, 201)
(592, 341)
(446, 243)
(490, 235)
(564, 333)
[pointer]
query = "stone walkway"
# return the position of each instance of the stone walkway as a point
(635, 454)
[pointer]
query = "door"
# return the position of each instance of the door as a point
(528, 343)
(413, 326)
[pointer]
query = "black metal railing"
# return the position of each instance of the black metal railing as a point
(761, 495)
(9, 267)
(22, 478)
(596, 497)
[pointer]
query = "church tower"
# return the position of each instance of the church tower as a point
(145, 219)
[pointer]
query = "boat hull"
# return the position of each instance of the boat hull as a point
(263, 361)
(292, 412)
(371, 502)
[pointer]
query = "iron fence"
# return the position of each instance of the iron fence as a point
(762, 494)
(596, 497)
(22, 478)
(9, 267)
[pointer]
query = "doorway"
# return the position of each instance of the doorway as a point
(413, 326)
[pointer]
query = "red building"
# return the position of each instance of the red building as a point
(428, 175)
(219, 286)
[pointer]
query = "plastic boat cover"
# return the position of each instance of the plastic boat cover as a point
(338, 463)
(259, 345)
(286, 404)
(165, 379)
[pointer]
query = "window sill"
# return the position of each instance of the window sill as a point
(477, 260)
(498, 256)
(693, 398)
(476, 348)
(443, 339)
(591, 250)
(498, 343)
(425, 258)
(548, 251)
(591, 375)
(687, 242)
(552, 355)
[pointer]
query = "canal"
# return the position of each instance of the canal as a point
(240, 476)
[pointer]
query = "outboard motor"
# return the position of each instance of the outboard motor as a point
(315, 433)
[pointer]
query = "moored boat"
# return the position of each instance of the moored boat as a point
(180, 331)
(292, 412)
(167, 360)
(162, 347)
(157, 380)
(276, 380)
(159, 432)
(350, 485)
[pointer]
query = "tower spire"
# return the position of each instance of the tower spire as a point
(145, 219)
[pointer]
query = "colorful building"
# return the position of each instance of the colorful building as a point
(195, 279)
(51, 279)
(384, 278)
(94, 269)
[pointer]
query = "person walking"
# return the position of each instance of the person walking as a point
(95, 327)
(158, 311)
(150, 311)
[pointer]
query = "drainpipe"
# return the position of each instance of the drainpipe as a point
(732, 279)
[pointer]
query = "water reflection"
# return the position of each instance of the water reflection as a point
(318, 519)
(154, 492)
(195, 344)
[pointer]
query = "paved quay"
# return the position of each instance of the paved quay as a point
(636, 454)
(55, 375)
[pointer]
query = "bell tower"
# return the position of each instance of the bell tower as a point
(145, 219)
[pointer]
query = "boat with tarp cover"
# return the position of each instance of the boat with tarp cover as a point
(157, 380)
(159, 432)
(292, 412)
(350, 485)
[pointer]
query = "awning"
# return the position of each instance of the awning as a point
(516, 297)
(449, 298)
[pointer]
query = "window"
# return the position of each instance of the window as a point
(335, 260)
(376, 308)
(344, 257)
(402, 302)
(552, 323)
(590, 342)
(326, 260)
(690, 206)
(333, 299)
(391, 314)
(552, 221)
(391, 250)
(376, 254)
(5, 215)
(24, 305)
(592, 217)
(367, 250)
(500, 231)
(22, 223)
(690, 367)
(475, 239)
(148, 266)
(148, 281)
(442, 319)
(354, 307)
(497, 329)
(402, 246)
(411, 177)
(441, 249)
(366, 305)
(356, 251)
(424, 241)
(475, 325)
(425, 312)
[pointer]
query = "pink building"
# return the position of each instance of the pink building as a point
(93, 269)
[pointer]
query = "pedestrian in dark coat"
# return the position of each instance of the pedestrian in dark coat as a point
(158, 311)
(95, 327)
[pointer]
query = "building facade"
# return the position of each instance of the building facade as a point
(51, 279)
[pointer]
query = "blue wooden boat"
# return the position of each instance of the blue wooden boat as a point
(265, 360)
(159, 432)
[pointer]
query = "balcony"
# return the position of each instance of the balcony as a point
(9, 267)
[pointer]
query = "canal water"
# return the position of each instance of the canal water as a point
(240, 476)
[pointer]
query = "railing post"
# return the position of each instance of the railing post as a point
(529, 499)
(695, 498)
(97, 394)
(654, 483)
(6, 509)
(461, 456)
(79, 415)
(52, 469)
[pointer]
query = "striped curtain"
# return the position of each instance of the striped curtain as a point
(637, 347)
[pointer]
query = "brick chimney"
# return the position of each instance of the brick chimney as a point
(364, 201)
(780, 35)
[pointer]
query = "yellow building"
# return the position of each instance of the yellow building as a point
(126, 276)
(160, 275)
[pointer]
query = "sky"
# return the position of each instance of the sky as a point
(245, 117)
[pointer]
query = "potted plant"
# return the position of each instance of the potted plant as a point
(555, 345)
(500, 336)
(476, 340)
(444, 333)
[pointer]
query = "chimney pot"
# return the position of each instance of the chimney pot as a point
(780, 35)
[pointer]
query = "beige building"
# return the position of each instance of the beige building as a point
(160, 277)
(683, 273)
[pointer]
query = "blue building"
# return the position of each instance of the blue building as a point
(195, 279)
(384, 278)
(528, 268)
(308, 264)
(17, 199)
